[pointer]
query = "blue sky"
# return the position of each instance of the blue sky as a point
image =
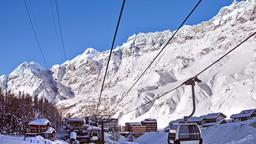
(87, 23)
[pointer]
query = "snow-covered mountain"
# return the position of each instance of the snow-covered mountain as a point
(229, 86)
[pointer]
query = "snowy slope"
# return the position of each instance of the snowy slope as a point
(230, 133)
(33, 79)
(229, 86)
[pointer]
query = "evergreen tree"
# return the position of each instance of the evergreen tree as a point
(18, 110)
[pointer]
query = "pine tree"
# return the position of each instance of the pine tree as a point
(18, 110)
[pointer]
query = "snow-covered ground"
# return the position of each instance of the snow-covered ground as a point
(229, 133)
(29, 140)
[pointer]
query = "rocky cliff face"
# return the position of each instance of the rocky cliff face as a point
(229, 86)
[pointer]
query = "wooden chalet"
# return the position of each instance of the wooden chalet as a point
(41, 127)
(50, 133)
(244, 115)
(213, 119)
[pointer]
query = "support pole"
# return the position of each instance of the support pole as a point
(192, 82)
(102, 119)
(102, 132)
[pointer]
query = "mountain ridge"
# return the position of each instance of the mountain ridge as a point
(74, 85)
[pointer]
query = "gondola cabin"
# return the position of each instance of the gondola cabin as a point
(185, 133)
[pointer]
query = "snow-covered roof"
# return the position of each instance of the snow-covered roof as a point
(93, 128)
(195, 119)
(198, 119)
(133, 123)
(244, 113)
(250, 111)
(42, 121)
(75, 119)
(212, 115)
(149, 120)
(49, 130)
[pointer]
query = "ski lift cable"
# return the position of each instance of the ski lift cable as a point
(230, 51)
(56, 30)
(35, 33)
(158, 54)
(60, 29)
(150, 101)
(110, 54)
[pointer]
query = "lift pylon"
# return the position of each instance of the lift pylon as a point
(192, 82)
(102, 119)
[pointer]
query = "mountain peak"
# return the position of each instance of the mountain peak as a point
(90, 52)
(27, 67)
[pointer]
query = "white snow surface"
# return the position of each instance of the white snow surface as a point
(229, 133)
(41, 121)
(228, 87)
(4, 139)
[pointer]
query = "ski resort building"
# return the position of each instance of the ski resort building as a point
(112, 125)
(50, 133)
(73, 124)
(204, 121)
(89, 120)
(41, 127)
(213, 119)
(135, 128)
(244, 115)
(151, 124)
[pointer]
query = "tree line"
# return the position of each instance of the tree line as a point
(16, 111)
